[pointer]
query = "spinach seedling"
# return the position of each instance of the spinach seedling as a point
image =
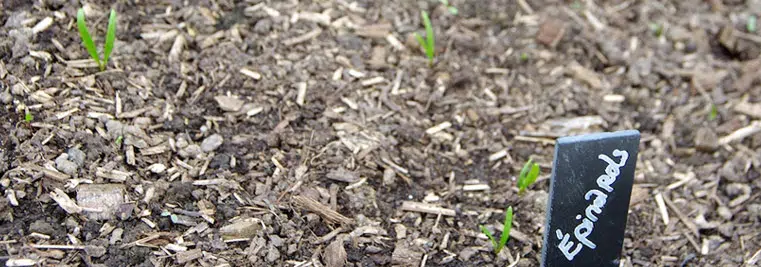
(505, 231)
(528, 175)
(751, 25)
(714, 113)
(119, 140)
(452, 10)
(427, 44)
(28, 117)
(90, 45)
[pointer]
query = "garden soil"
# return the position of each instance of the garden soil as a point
(317, 133)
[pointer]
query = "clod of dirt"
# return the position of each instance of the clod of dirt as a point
(335, 254)
(190, 151)
(95, 251)
(245, 228)
(212, 142)
(76, 156)
(101, 201)
(220, 161)
(21, 41)
(273, 254)
(41, 226)
(706, 139)
(63, 164)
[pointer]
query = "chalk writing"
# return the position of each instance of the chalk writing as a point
(599, 198)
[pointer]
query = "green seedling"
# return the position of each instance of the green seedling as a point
(119, 140)
(751, 26)
(505, 231)
(714, 113)
(427, 44)
(528, 175)
(452, 10)
(90, 45)
(657, 29)
(28, 117)
(524, 57)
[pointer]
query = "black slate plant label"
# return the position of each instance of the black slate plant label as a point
(591, 185)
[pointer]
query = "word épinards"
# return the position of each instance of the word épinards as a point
(598, 198)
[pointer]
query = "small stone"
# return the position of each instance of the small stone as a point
(63, 164)
(41, 227)
(101, 201)
(190, 151)
(401, 231)
(212, 142)
(6, 97)
(551, 32)
(467, 253)
(229, 103)
(157, 168)
(76, 156)
(263, 26)
(724, 212)
(18, 89)
(706, 139)
(245, 228)
(116, 236)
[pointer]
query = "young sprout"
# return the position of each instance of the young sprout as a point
(524, 56)
(28, 117)
(118, 140)
(751, 26)
(714, 113)
(528, 175)
(452, 10)
(427, 44)
(90, 45)
(505, 231)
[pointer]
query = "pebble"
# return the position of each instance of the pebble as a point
(102, 200)
(6, 97)
(245, 228)
(706, 139)
(76, 156)
(17, 89)
(212, 142)
(724, 212)
(157, 168)
(63, 164)
(229, 103)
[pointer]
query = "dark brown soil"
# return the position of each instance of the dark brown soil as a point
(202, 117)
